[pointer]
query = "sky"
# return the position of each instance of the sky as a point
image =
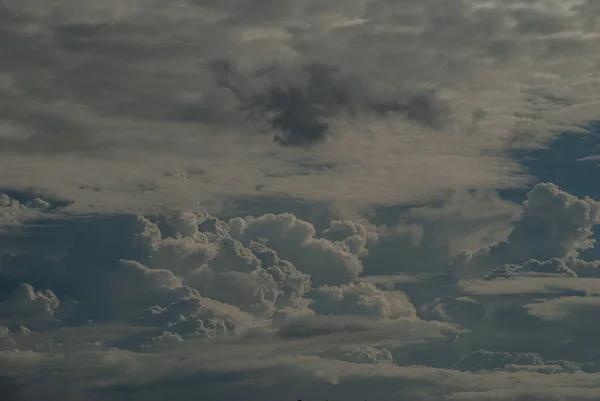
(299, 200)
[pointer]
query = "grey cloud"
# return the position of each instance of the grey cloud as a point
(362, 299)
(294, 283)
(463, 310)
(584, 268)
(149, 266)
(551, 266)
(95, 82)
(70, 74)
(576, 311)
(207, 259)
(164, 340)
(524, 394)
(526, 322)
(295, 240)
(559, 223)
(319, 326)
(487, 360)
(300, 103)
(355, 235)
(532, 22)
(370, 355)
(10, 209)
(267, 307)
(553, 224)
(424, 238)
(52, 133)
(191, 276)
(7, 342)
(31, 199)
(19, 206)
(221, 268)
(30, 308)
(38, 122)
(336, 335)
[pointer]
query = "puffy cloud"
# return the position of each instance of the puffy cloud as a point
(243, 300)
(295, 240)
(293, 283)
(29, 307)
(553, 224)
(199, 249)
(186, 249)
(12, 211)
(235, 276)
(193, 316)
(7, 202)
(353, 234)
(164, 340)
(584, 268)
(362, 299)
(181, 255)
(154, 264)
(370, 355)
(203, 328)
(7, 342)
(254, 278)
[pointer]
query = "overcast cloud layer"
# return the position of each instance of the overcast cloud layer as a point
(362, 101)
(297, 200)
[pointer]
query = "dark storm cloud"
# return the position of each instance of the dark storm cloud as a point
(301, 103)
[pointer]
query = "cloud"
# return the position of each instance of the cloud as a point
(362, 299)
(300, 111)
(425, 237)
(240, 288)
(553, 224)
(273, 288)
(551, 266)
(440, 93)
(538, 285)
(178, 278)
(328, 262)
(27, 307)
(306, 200)
(7, 342)
(486, 360)
(370, 355)
(12, 211)
(573, 310)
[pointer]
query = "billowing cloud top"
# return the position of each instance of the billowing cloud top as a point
(117, 300)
